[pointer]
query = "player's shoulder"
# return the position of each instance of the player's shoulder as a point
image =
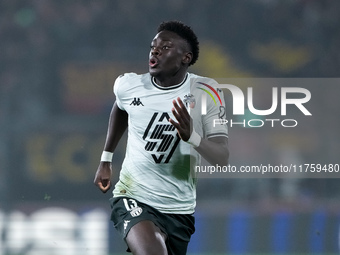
(197, 80)
(201, 79)
(128, 80)
(131, 77)
(201, 85)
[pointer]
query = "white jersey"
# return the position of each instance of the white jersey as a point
(158, 168)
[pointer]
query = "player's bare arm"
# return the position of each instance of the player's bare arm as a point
(116, 128)
(214, 150)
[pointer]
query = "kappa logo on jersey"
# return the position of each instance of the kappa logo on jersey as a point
(126, 222)
(162, 138)
(136, 102)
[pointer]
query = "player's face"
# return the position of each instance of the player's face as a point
(168, 55)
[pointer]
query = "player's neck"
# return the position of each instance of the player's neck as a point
(169, 81)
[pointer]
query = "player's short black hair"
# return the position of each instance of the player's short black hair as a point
(185, 32)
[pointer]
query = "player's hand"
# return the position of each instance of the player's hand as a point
(103, 176)
(184, 121)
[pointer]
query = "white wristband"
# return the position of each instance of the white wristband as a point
(194, 139)
(106, 156)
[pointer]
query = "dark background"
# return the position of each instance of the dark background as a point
(59, 60)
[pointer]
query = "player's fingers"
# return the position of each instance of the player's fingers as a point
(174, 123)
(176, 106)
(176, 114)
(182, 124)
(104, 187)
(181, 115)
(178, 127)
(180, 103)
(183, 109)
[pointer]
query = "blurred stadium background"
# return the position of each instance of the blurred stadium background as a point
(59, 60)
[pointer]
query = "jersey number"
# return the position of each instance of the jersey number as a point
(130, 206)
(160, 137)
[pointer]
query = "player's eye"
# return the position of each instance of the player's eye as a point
(152, 47)
(165, 47)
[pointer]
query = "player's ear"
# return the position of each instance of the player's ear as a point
(187, 58)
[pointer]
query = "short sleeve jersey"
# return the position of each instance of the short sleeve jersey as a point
(158, 168)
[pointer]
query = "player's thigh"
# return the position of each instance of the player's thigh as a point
(146, 238)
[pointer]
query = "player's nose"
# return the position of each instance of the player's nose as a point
(155, 51)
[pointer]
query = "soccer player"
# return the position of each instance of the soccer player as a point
(154, 200)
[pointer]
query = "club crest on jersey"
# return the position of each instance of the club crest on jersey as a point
(189, 101)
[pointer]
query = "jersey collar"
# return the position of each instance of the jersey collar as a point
(153, 81)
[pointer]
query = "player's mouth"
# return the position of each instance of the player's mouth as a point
(153, 62)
